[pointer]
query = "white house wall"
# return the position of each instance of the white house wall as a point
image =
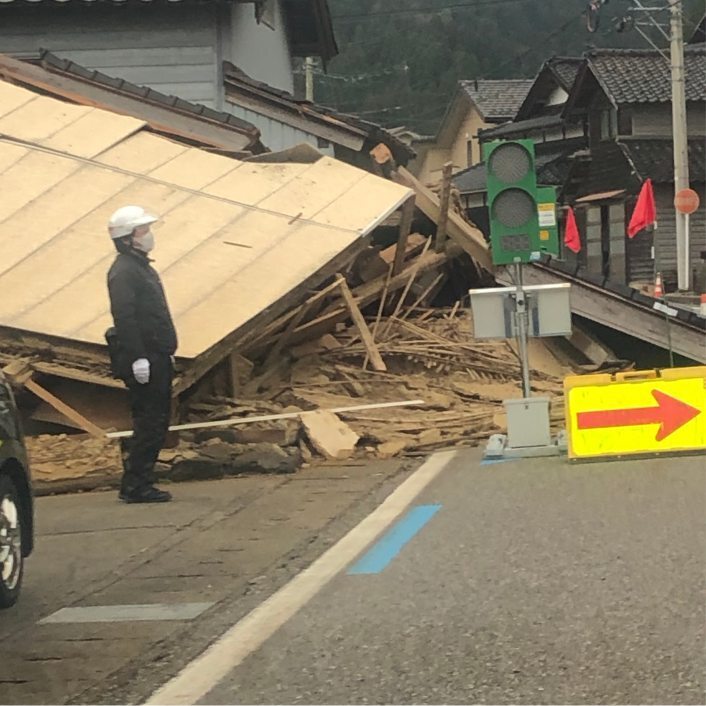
(260, 51)
(650, 120)
(276, 135)
(177, 55)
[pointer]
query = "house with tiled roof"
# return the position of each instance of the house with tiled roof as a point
(625, 98)
(474, 106)
(602, 125)
(207, 67)
(539, 117)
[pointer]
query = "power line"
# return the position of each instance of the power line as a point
(395, 69)
(428, 10)
(540, 45)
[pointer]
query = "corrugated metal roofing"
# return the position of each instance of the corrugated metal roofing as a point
(235, 237)
(237, 82)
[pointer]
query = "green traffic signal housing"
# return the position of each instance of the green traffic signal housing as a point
(523, 223)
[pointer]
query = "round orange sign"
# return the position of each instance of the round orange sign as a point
(686, 201)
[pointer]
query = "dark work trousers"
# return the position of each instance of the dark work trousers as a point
(151, 407)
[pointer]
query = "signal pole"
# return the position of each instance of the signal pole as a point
(679, 129)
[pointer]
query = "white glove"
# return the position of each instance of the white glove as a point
(141, 370)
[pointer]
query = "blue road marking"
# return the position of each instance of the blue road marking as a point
(387, 548)
(494, 461)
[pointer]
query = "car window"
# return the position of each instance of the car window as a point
(9, 428)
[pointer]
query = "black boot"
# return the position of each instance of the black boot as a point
(145, 494)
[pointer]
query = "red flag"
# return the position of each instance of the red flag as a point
(572, 240)
(645, 213)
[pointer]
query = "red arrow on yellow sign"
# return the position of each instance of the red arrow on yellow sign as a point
(670, 413)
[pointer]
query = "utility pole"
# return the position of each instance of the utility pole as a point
(679, 130)
(309, 72)
(679, 121)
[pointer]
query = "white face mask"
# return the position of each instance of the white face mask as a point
(144, 243)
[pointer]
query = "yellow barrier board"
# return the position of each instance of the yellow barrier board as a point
(636, 412)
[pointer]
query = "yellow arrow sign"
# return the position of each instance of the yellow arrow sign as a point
(636, 412)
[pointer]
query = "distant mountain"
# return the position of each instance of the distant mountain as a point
(400, 59)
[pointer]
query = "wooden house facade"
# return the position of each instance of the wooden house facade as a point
(602, 125)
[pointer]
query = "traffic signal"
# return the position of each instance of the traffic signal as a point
(522, 215)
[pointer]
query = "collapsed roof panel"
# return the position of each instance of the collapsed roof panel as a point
(235, 237)
(174, 117)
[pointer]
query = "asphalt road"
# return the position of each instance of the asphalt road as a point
(228, 543)
(531, 581)
(534, 582)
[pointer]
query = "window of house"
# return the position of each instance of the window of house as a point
(609, 124)
(469, 153)
(594, 245)
(616, 266)
(624, 121)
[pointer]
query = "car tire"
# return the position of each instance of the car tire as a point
(11, 559)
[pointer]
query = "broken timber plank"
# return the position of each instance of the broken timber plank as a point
(590, 346)
(359, 320)
(405, 228)
(468, 237)
(18, 371)
(378, 316)
(444, 207)
(243, 337)
(272, 417)
(412, 277)
(329, 435)
(365, 294)
(295, 321)
(63, 408)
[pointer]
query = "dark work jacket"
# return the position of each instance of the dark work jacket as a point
(142, 320)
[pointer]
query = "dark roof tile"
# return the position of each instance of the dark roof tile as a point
(552, 170)
(497, 99)
(653, 159)
(566, 69)
(643, 76)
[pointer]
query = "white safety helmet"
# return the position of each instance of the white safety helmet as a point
(126, 219)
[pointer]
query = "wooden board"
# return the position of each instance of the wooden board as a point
(234, 240)
(468, 237)
(611, 310)
(358, 319)
(69, 412)
(329, 435)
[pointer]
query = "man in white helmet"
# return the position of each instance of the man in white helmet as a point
(145, 342)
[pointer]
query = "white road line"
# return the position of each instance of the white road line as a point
(127, 613)
(207, 670)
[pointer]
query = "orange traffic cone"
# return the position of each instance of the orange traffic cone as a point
(659, 291)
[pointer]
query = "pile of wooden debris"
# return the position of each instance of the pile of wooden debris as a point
(368, 362)
(428, 354)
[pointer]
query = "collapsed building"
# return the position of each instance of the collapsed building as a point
(296, 285)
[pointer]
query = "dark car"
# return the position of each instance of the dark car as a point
(16, 504)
